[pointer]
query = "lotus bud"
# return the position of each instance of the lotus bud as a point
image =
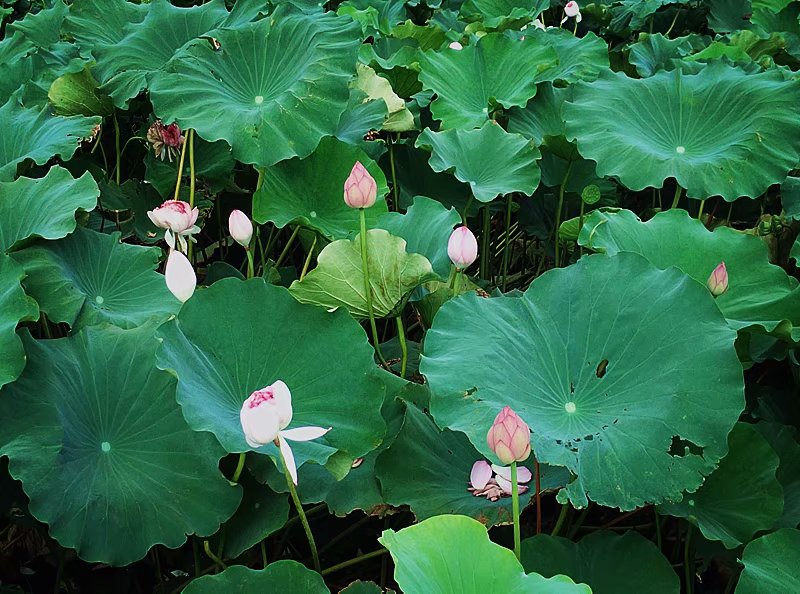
(180, 277)
(241, 228)
(462, 247)
(360, 189)
(572, 9)
(509, 437)
(456, 46)
(265, 413)
(717, 283)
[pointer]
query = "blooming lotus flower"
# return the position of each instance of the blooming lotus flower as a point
(241, 228)
(360, 189)
(509, 437)
(166, 140)
(717, 282)
(178, 218)
(571, 9)
(265, 415)
(494, 482)
(179, 275)
(462, 247)
(456, 46)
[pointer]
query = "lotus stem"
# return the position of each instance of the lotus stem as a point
(355, 560)
(250, 263)
(308, 258)
(580, 225)
(190, 141)
(538, 485)
(117, 165)
(239, 467)
(401, 335)
(485, 265)
(263, 554)
(395, 195)
(302, 515)
(674, 20)
(560, 207)
(562, 516)
(688, 569)
(677, 195)
(368, 287)
(176, 195)
(700, 210)
(507, 242)
(217, 561)
(286, 248)
(515, 509)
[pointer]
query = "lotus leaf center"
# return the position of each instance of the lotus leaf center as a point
(105, 446)
(313, 214)
(680, 150)
(99, 300)
(570, 407)
(259, 99)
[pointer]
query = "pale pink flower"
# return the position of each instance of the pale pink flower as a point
(178, 218)
(480, 475)
(360, 188)
(179, 275)
(166, 140)
(717, 282)
(509, 437)
(456, 46)
(241, 228)
(571, 9)
(494, 482)
(462, 247)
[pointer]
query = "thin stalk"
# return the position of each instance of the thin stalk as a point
(560, 521)
(465, 214)
(286, 248)
(576, 526)
(395, 195)
(677, 195)
(190, 140)
(308, 258)
(560, 207)
(196, 556)
(515, 509)
(658, 527)
(117, 165)
(354, 561)
(239, 467)
(250, 264)
(302, 515)
(485, 244)
(180, 171)
(700, 210)
(452, 280)
(674, 20)
(264, 554)
(346, 532)
(580, 225)
(217, 561)
(575, 28)
(730, 212)
(260, 179)
(401, 335)
(507, 243)
(368, 287)
(538, 484)
(688, 569)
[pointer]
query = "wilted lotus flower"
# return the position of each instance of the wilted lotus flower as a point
(717, 283)
(509, 437)
(494, 482)
(180, 276)
(571, 9)
(241, 228)
(178, 218)
(360, 189)
(503, 477)
(264, 417)
(166, 140)
(462, 247)
(456, 46)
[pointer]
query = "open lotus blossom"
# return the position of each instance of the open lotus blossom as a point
(180, 277)
(509, 437)
(241, 228)
(571, 9)
(462, 247)
(360, 188)
(493, 481)
(717, 282)
(178, 218)
(265, 415)
(166, 140)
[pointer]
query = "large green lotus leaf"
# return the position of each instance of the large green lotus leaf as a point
(508, 71)
(95, 22)
(655, 52)
(338, 279)
(291, 94)
(236, 337)
(610, 563)
(261, 512)
(428, 470)
(632, 14)
(759, 293)
(579, 58)
(42, 28)
(89, 278)
(77, 93)
(375, 16)
(469, 563)
(126, 66)
(93, 431)
(718, 132)
(540, 121)
(15, 307)
(782, 440)
(741, 497)
(359, 117)
(35, 134)
(725, 16)
(770, 564)
(426, 226)
(790, 197)
(309, 192)
(493, 13)
(43, 207)
(626, 374)
(509, 167)
(280, 576)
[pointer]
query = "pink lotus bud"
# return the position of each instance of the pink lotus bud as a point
(241, 228)
(360, 189)
(509, 437)
(572, 9)
(265, 413)
(480, 475)
(717, 283)
(180, 277)
(175, 215)
(462, 247)
(456, 46)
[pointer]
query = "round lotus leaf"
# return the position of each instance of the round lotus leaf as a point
(718, 132)
(15, 307)
(741, 497)
(94, 22)
(493, 13)
(782, 439)
(609, 563)
(338, 279)
(579, 58)
(541, 122)
(309, 192)
(469, 563)
(626, 374)
(656, 52)
(77, 93)
(93, 431)
(89, 278)
(255, 334)
(770, 564)
(291, 94)
(508, 70)
(760, 295)
(280, 576)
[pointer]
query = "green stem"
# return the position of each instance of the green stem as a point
(287, 247)
(354, 561)
(217, 561)
(507, 243)
(730, 212)
(302, 515)
(403, 346)
(677, 195)
(239, 467)
(485, 244)
(308, 258)
(190, 140)
(580, 225)
(577, 525)
(263, 554)
(515, 508)
(180, 171)
(250, 263)
(465, 214)
(395, 195)
(196, 556)
(688, 569)
(658, 527)
(674, 20)
(700, 210)
(368, 287)
(562, 516)
(117, 165)
(538, 485)
(260, 179)
(560, 207)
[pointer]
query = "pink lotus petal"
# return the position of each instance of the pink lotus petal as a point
(523, 474)
(503, 484)
(288, 457)
(304, 433)
(480, 475)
